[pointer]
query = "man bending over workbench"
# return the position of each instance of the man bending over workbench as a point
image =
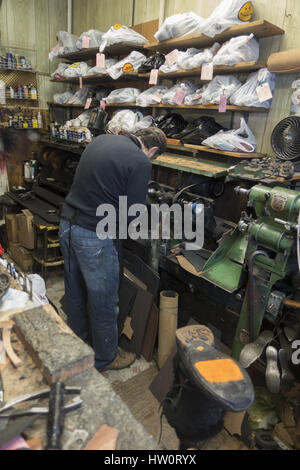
(111, 166)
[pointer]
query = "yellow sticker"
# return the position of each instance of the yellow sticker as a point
(118, 26)
(246, 12)
(74, 66)
(200, 348)
(128, 68)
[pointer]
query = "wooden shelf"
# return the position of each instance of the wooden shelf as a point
(193, 165)
(59, 105)
(95, 78)
(260, 29)
(242, 155)
(218, 70)
(123, 48)
(213, 107)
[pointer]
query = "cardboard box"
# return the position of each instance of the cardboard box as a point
(21, 256)
(25, 229)
(11, 228)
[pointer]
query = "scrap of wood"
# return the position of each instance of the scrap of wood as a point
(52, 345)
(6, 336)
(104, 439)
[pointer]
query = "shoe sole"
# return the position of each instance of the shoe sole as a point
(272, 370)
(117, 368)
(252, 351)
(188, 334)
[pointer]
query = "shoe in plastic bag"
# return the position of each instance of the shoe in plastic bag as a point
(184, 88)
(240, 140)
(179, 25)
(220, 85)
(131, 63)
(171, 124)
(123, 95)
(199, 130)
(151, 96)
(237, 50)
(118, 34)
(95, 37)
(246, 95)
(227, 14)
(153, 63)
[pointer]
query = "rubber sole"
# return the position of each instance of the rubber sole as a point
(188, 334)
(252, 351)
(272, 370)
(287, 378)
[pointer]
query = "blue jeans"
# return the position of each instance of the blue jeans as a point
(91, 278)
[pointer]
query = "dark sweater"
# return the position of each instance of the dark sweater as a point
(111, 166)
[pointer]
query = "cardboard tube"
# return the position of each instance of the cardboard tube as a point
(284, 62)
(168, 318)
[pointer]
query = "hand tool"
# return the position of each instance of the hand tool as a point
(56, 416)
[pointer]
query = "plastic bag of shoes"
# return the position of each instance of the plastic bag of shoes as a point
(199, 130)
(154, 62)
(171, 124)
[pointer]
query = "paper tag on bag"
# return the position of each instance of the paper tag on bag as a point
(207, 71)
(264, 93)
(223, 104)
(157, 97)
(153, 77)
(172, 57)
(88, 103)
(85, 42)
(80, 82)
(102, 105)
(72, 100)
(179, 96)
(100, 60)
(56, 48)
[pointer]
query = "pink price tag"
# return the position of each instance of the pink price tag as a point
(196, 97)
(100, 60)
(179, 97)
(102, 105)
(153, 77)
(172, 57)
(88, 103)
(85, 42)
(72, 100)
(157, 97)
(223, 104)
(80, 82)
(55, 49)
(207, 71)
(264, 93)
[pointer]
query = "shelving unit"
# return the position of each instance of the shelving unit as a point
(260, 29)
(210, 168)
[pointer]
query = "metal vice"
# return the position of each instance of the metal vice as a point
(270, 228)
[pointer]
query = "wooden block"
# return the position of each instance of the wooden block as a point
(104, 439)
(53, 346)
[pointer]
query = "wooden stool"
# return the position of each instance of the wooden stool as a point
(48, 255)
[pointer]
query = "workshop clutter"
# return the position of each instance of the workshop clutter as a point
(15, 62)
(75, 130)
(24, 118)
(227, 14)
(221, 85)
(20, 234)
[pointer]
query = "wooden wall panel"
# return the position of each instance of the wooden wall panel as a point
(21, 23)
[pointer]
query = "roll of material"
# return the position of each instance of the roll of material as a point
(168, 320)
(284, 62)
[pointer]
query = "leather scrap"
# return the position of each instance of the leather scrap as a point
(104, 439)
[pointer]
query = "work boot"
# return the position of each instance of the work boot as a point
(123, 359)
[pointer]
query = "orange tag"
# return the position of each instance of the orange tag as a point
(219, 371)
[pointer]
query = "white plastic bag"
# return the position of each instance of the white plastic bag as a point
(81, 95)
(59, 72)
(124, 121)
(118, 34)
(95, 37)
(78, 69)
(103, 70)
(63, 98)
(227, 14)
(179, 25)
(184, 88)
(123, 95)
(295, 108)
(151, 96)
(144, 123)
(38, 290)
(239, 49)
(131, 63)
(246, 95)
(166, 68)
(194, 58)
(240, 140)
(220, 85)
(195, 98)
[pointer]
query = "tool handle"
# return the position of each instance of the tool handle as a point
(55, 423)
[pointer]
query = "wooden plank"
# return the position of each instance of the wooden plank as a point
(261, 29)
(193, 165)
(115, 50)
(202, 148)
(56, 350)
(218, 69)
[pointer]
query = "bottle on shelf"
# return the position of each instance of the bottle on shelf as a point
(40, 120)
(33, 93)
(26, 94)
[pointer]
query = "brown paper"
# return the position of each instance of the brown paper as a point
(284, 62)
